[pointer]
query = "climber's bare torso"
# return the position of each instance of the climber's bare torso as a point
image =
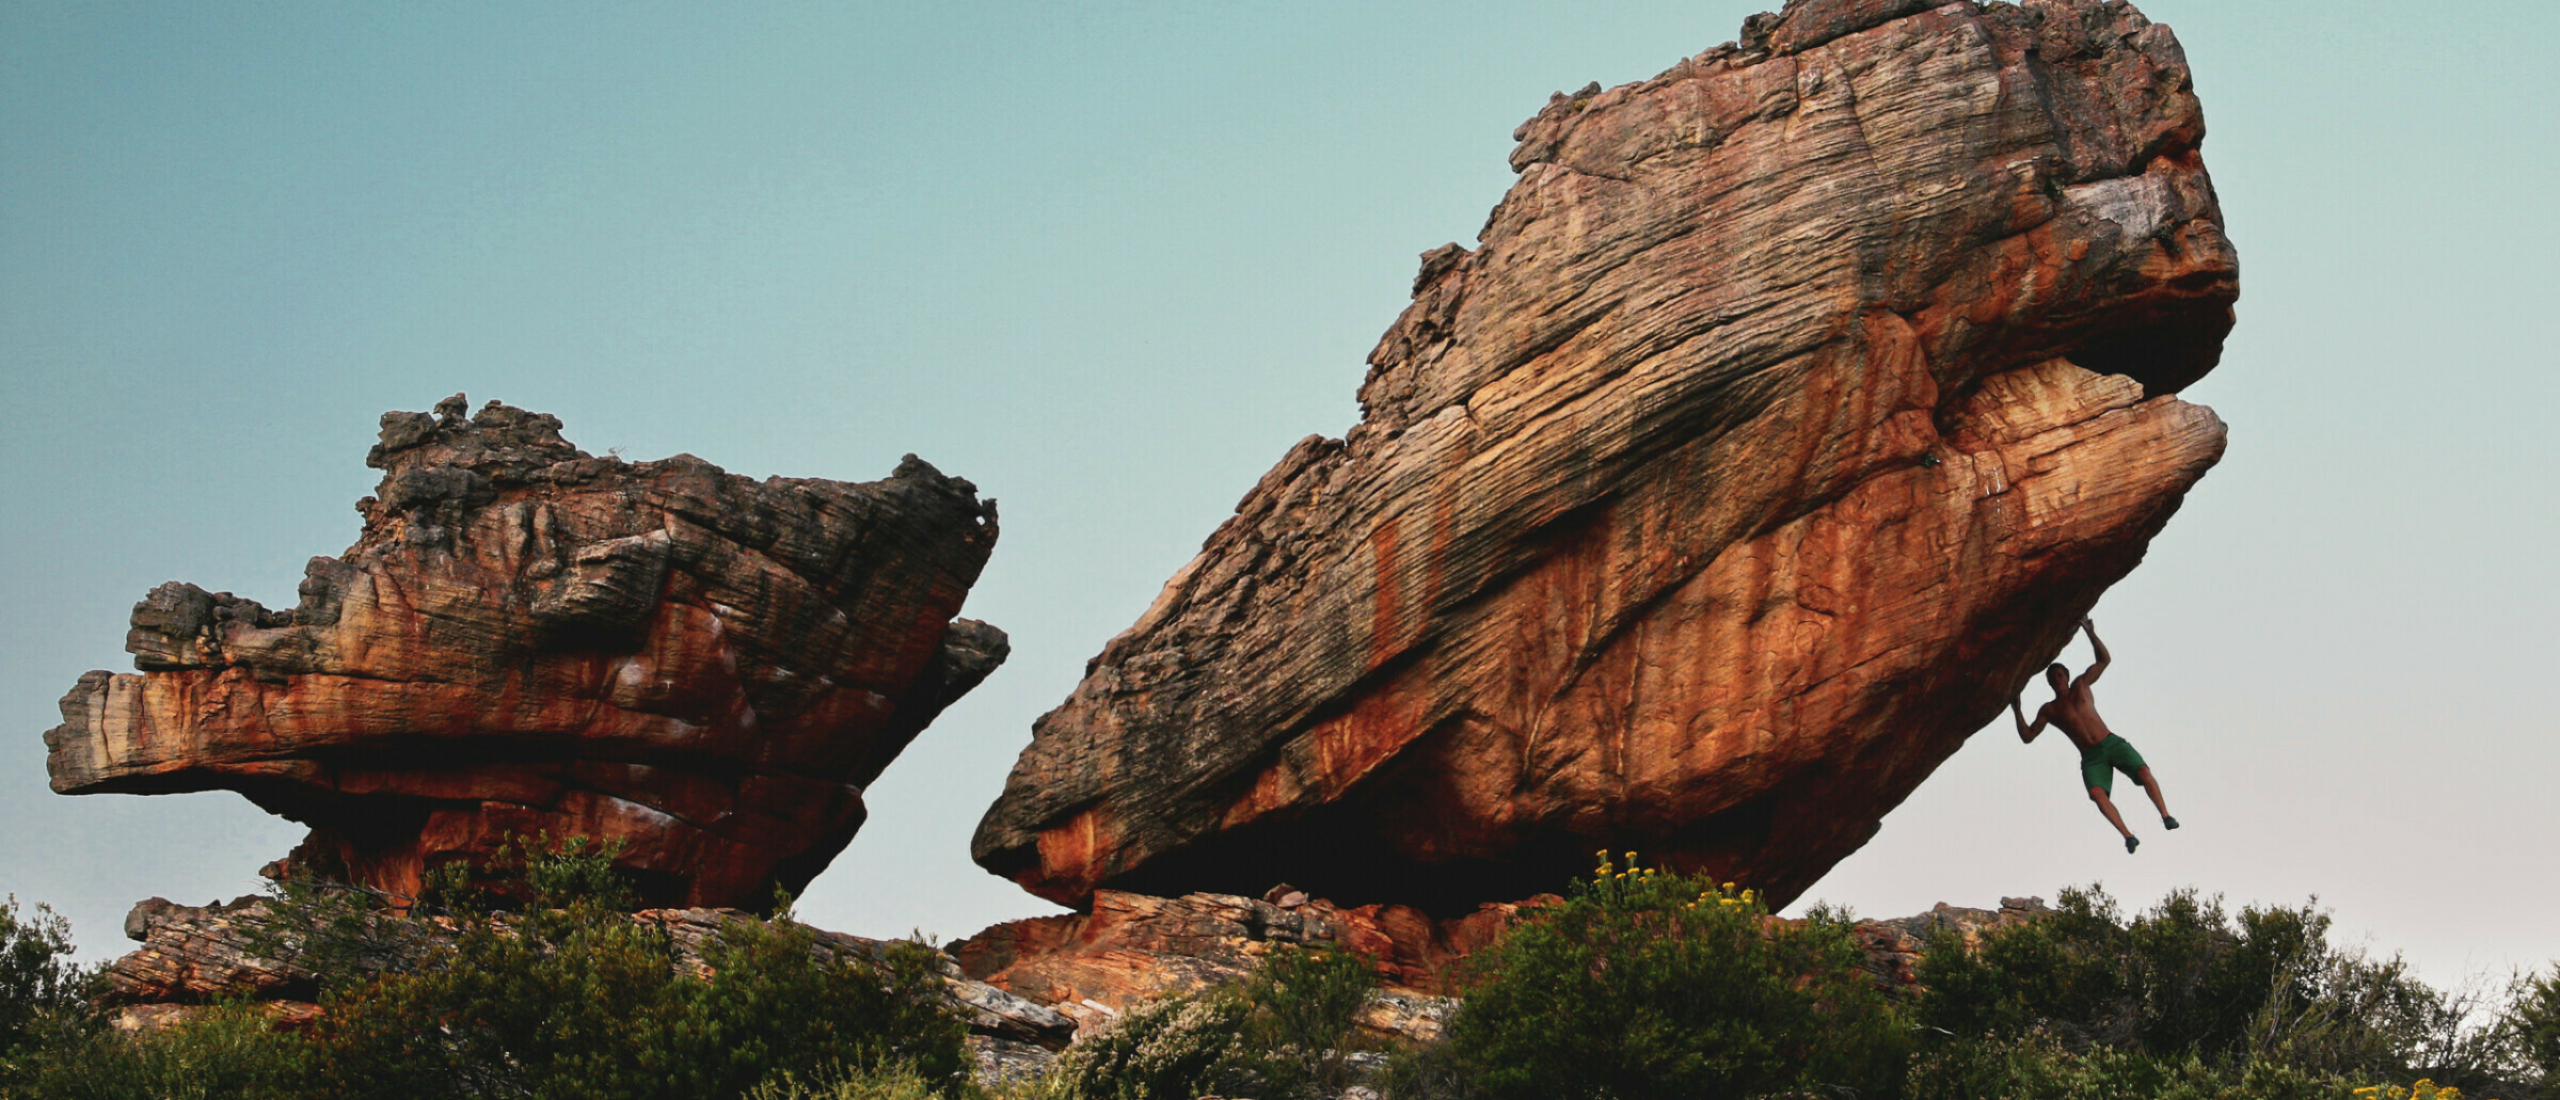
(2075, 713)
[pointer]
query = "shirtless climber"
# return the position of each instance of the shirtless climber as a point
(2102, 753)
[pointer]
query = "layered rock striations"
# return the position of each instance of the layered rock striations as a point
(528, 639)
(1794, 406)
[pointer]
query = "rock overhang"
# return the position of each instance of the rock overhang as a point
(1897, 290)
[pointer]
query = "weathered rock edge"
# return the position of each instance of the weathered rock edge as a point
(1794, 406)
(527, 639)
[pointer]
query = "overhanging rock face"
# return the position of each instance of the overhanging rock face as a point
(1794, 406)
(531, 640)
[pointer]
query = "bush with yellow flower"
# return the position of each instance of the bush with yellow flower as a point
(1647, 982)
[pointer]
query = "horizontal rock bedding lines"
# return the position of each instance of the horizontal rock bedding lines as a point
(702, 669)
(1792, 407)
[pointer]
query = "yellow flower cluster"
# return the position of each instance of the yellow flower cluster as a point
(2424, 1090)
(1609, 872)
(1726, 897)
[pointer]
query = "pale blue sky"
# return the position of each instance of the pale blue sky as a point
(1109, 261)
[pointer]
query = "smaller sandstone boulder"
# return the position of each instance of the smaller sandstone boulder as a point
(702, 669)
(194, 955)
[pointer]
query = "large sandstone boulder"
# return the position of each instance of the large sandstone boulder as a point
(531, 640)
(1794, 407)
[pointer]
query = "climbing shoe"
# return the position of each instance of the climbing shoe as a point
(2168, 822)
(2130, 844)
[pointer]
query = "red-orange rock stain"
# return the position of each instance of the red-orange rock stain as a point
(1076, 851)
(1387, 583)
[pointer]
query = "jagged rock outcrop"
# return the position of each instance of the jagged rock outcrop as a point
(1894, 946)
(528, 640)
(1794, 406)
(252, 950)
(1131, 948)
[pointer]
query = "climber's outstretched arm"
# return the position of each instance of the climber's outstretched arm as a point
(2091, 676)
(2027, 733)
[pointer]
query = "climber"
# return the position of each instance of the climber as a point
(2102, 753)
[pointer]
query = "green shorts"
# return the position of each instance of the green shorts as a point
(2099, 765)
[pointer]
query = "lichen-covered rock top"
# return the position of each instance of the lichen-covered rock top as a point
(529, 639)
(1793, 407)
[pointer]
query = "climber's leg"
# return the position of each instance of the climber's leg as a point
(2151, 787)
(2107, 806)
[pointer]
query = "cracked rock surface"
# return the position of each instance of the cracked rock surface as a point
(1793, 407)
(527, 639)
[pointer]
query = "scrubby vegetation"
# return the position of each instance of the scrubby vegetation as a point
(1641, 984)
(562, 997)
(1645, 983)
(1289, 1032)
(2187, 989)
(42, 995)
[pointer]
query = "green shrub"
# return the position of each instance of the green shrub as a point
(567, 999)
(1644, 983)
(1426, 1071)
(2535, 1018)
(2264, 993)
(2063, 974)
(225, 1052)
(1302, 1018)
(571, 998)
(897, 1081)
(2036, 1066)
(1284, 1032)
(40, 988)
(1163, 1050)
